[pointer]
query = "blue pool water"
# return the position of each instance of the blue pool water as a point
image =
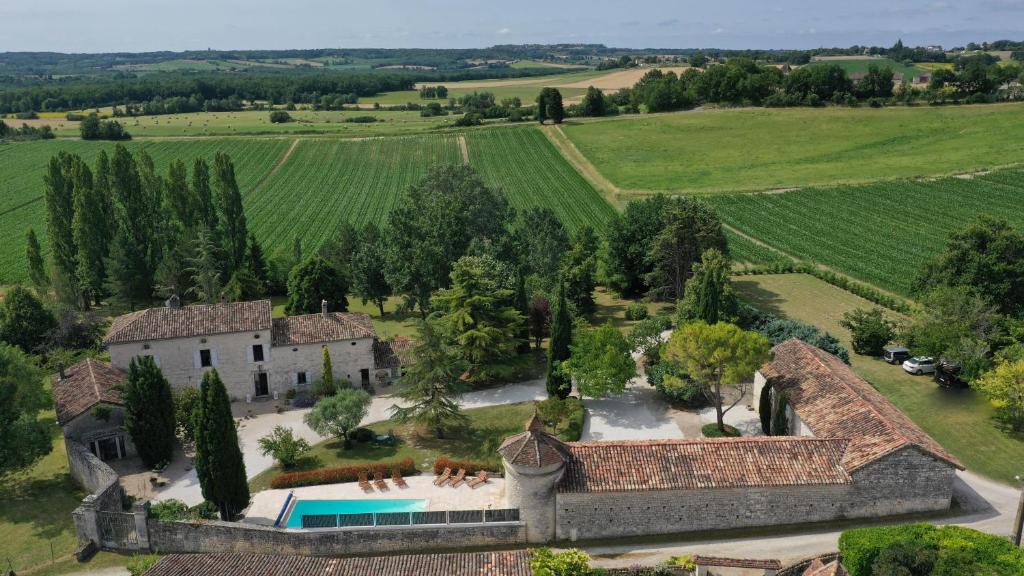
(317, 507)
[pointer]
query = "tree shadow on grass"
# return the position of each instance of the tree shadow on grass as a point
(767, 300)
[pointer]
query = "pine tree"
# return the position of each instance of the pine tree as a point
(36, 267)
(257, 264)
(234, 230)
(430, 385)
(219, 463)
(558, 383)
(149, 411)
(89, 232)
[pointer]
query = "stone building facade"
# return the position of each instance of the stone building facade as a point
(89, 408)
(254, 354)
(857, 456)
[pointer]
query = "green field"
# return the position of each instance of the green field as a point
(527, 94)
(21, 188)
(326, 182)
(524, 163)
(861, 65)
(760, 149)
(962, 421)
(880, 233)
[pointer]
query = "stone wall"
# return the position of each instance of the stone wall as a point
(904, 482)
(95, 476)
(594, 515)
(218, 537)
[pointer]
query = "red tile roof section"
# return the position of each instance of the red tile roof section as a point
(318, 328)
(533, 448)
(837, 403)
(189, 321)
(625, 466)
(86, 384)
(392, 353)
(834, 568)
(737, 563)
(514, 563)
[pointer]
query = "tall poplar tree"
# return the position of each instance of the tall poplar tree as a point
(89, 231)
(219, 463)
(149, 411)
(129, 268)
(36, 267)
(559, 384)
(178, 202)
(234, 230)
(206, 209)
(59, 198)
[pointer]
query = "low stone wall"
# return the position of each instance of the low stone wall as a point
(219, 537)
(93, 474)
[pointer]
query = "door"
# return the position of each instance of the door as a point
(364, 376)
(262, 383)
(108, 448)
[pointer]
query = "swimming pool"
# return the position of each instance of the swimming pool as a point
(327, 507)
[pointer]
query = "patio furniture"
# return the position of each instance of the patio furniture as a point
(378, 481)
(397, 480)
(481, 477)
(443, 478)
(364, 482)
(458, 478)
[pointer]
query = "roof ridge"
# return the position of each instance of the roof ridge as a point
(92, 379)
(702, 440)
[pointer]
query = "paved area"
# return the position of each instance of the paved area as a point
(267, 504)
(636, 414)
(258, 419)
(741, 417)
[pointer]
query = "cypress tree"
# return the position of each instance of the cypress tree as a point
(257, 263)
(89, 231)
(234, 230)
(36, 268)
(149, 411)
(780, 420)
(219, 463)
(558, 383)
(764, 409)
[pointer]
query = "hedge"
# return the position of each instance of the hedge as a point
(341, 474)
(573, 421)
(468, 465)
(960, 550)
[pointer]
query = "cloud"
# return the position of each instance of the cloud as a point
(504, 31)
(668, 23)
(719, 30)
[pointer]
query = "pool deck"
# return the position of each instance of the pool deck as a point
(267, 504)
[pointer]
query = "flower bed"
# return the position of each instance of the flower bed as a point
(342, 474)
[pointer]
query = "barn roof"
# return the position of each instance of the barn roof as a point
(317, 328)
(834, 402)
(84, 385)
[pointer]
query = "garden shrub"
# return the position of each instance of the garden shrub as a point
(171, 510)
(712, 431)
(959, 550)
(573, 427)
(636, 311)
(469, 466)
(778, 330)
(362, 434)
(680, 388)
(341, 474)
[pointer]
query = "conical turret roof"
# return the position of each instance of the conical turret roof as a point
(533, 448)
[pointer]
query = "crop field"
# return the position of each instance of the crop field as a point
(880, 233)
(326, 182)
(743, 251)
(524, 163)
(723, 150)
(21, 186)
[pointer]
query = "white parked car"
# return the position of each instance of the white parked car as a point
(920, 365)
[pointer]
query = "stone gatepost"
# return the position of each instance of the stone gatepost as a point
(140, 510)
(86, 526)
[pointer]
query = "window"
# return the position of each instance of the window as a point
(300, 378)
(205, 358)
(257, 353)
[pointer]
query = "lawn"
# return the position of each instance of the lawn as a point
(488, 427)
(612, 308)
(879, 233)
(717, 150)
(962, 421)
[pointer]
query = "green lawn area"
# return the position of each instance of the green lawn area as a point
(962, 421)
(749, 149)
(35, 510)
(479, 442)
(612, 308)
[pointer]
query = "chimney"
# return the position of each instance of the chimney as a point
(323, 308)
(174, 303)
(60, 370)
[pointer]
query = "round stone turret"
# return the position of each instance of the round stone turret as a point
(534, 462)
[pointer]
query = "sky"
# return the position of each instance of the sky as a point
(149, 25)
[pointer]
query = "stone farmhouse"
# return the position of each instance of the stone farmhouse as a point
(90, 410)
(852, 454)
(257, 356)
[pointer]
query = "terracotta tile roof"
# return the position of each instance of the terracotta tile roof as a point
(533, 448)
(85, 384)
(514, 563)
(737, 563)
(799, 568)
(189, 321)
(316, 328)
(639, 465)
(837, 403)
(392, 353)
(834, 568)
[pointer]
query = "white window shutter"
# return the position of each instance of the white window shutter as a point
(248, 354)
(196, 361)
(295, 378)
(214, 358)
